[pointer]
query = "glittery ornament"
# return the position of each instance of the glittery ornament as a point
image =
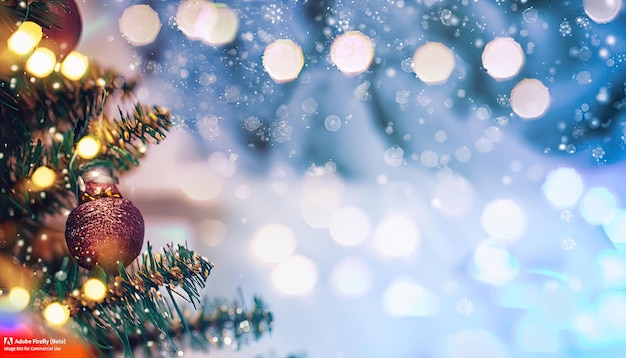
(104, 231)
(105, 228)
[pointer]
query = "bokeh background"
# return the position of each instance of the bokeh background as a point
(377, 214)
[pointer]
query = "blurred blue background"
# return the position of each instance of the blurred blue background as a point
(379, 216)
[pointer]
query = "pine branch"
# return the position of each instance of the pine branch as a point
(70, 110)
(126, 140)
(136, 311)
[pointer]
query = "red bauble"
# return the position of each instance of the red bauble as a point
(104, 231)
(63, 36)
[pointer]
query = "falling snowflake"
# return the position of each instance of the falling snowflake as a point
(568, 243)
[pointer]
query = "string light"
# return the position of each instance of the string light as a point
(41, 62)
(43, 177)
(25, 38)
(88, 147)
(74, 66)
(19, 298)
(95, 289)
(56, 314)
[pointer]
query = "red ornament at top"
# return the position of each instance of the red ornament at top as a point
(63, 36)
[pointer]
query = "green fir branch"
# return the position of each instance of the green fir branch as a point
(136, 312)
(72, 109)
(126, 139)
(18, 195)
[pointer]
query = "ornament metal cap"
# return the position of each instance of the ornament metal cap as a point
(96, 174)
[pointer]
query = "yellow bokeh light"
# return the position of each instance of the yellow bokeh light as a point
(433, 63)
(95, 289)
(74, 66)
(41, 62)
(19, 298)
(352, 52)
(25, 38)
(56, 314)
(283, 60)
(43, 177)
(225, 28)
(88, 147)
(139, 25)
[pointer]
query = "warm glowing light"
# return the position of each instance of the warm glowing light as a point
(41, 62)
(503, 219)
(433, 63)
(95, 289)
(196, 18)
(283, 60)
(563, 187)
(225, 28)
(19, 298)
(274, 242)
(503, 58)
(74, 66)
(530, 99)
(56, 314)
(352, 52)
(88, 147)
(405, 297)
(296, 275)
(43, 177)
(602, 11)
(349, 226)
(397, 235)
(139, 24)
(25, 38)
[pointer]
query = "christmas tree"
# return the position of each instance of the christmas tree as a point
(71, 245)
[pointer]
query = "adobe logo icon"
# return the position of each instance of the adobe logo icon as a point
(8, 341)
